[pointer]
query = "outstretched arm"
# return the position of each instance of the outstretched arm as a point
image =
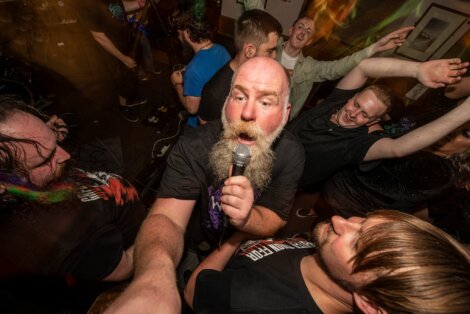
(216, 260)
(434, 73)
(458, 90)
(109, 46)
(133, 5)
(253, 4)
(391, 41)
(421, 137)
(158, 249)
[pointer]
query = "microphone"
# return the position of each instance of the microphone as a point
(241, 156)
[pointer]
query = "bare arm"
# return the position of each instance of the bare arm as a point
(125, 267)
(391, 41)
(458, 90)
(253, 4)
(108, 45)
(201, 121)
(237, 203)
(421, 137)
(434, 73)
(133, 5)
(158, 249)
(216, 260)
(190, 103)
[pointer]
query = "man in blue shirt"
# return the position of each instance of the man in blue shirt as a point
(208, 59)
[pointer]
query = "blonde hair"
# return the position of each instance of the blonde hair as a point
(417, 268)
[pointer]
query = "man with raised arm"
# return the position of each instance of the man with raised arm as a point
(336, 133)
(305, 71)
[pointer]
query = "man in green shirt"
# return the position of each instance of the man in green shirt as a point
(305, 70)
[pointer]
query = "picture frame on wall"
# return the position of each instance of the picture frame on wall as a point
(264, 2)
(432, 31)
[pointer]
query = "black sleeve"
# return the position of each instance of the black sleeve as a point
(179, 180)
(212, 292)
(288, 167)
(98, 256)
(215, 93)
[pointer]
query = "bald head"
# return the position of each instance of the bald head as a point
(264, 70)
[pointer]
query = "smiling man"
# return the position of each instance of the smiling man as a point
(389, 262)
(198, 170)
(304, 70)
(335, 134)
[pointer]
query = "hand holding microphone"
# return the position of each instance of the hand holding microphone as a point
(237, 193)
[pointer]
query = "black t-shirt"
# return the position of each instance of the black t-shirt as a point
(215, 93)
(83, 237)
(400, 184)
(264, 277)
(451, 213)
(188, 176)
(329, 147)
(108, 17)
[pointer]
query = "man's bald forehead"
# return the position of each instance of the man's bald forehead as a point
(264, 65)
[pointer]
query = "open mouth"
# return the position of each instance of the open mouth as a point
(245, 138)
(300, 37)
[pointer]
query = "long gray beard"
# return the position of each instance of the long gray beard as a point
(258, 171)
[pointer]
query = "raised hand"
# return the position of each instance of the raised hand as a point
(438, 73)
(392, 40)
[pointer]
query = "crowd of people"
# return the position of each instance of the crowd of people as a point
(374, 254)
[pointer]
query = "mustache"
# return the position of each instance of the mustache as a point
(244, 130)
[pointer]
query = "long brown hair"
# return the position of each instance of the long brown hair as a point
(416, 267)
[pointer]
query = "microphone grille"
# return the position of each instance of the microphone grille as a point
(241, 154)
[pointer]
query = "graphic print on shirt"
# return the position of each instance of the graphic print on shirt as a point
(258, 249)
(215, 207)
(105, 186)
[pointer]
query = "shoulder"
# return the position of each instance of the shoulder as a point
(289, 145)
(203, 136)
(216, 51)
(219, 48)
(224, 73)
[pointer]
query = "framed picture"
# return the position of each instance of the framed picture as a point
(263, 1)
(432, 31)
